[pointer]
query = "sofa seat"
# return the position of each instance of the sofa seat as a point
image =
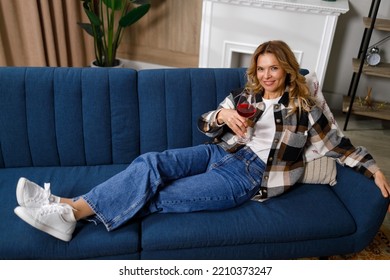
(280, 226)
(92, 242)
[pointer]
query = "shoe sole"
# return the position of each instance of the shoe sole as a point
(19, 191)
(32, 222)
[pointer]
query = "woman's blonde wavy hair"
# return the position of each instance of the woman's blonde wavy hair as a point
(300, 98)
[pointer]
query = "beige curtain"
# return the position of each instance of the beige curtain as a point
(43, 33)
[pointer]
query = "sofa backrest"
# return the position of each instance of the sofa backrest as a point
(89, 116)
(172, 100)
(67, 116)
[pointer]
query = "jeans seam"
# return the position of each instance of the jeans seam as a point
(192, 200)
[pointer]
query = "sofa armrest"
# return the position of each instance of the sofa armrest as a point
(364, 201)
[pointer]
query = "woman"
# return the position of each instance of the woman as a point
(215, 176)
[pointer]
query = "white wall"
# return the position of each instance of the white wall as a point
(349, 32)
(231, 26)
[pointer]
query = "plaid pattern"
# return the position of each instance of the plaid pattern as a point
(293, 135)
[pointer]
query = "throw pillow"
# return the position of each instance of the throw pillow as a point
(320, 171)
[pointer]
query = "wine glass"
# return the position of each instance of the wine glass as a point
(246, 107)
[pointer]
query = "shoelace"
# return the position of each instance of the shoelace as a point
(43, 196)
(60, 208)
(47, 192)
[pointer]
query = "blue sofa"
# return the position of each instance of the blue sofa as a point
(76, 127)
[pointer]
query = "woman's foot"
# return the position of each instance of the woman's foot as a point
(31, 195)
(56, 219)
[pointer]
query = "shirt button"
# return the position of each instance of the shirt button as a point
(266, 177)
(270, 159)
(276, 106)
(278, 120)
(276, 141)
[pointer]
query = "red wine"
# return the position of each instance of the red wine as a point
(246, 110)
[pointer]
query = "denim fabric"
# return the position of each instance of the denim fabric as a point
(198, 178)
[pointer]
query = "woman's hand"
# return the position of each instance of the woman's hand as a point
(233, 120)
(383, 184)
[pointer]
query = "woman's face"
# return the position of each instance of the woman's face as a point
(270, 75)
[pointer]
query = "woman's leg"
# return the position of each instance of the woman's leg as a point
(226, 184)
(121, 197)
(81, 208)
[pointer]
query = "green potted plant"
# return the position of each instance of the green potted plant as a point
(106, 31)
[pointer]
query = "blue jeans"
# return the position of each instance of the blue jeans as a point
(203, 177)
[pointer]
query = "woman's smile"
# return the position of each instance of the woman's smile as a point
(271, 75)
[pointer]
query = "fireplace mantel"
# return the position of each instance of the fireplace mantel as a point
(301, 6)
(232, 29)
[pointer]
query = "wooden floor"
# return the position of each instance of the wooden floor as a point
(374, 134)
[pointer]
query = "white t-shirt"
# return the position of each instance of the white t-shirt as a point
(264, 131)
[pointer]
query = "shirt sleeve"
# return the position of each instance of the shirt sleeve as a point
(329, 142)
(207, 123)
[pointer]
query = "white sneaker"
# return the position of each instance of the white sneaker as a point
(56, 219)
(30, 195)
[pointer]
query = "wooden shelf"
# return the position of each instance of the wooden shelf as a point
(379, 110)
(380, 24)
(381, 70)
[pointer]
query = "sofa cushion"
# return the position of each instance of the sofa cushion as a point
(89, 241)
(292, 218)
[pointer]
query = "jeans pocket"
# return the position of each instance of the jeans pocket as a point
(255, 172)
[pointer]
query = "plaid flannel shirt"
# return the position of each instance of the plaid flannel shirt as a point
(293, 136)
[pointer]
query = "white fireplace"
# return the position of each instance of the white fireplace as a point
(232, 29)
